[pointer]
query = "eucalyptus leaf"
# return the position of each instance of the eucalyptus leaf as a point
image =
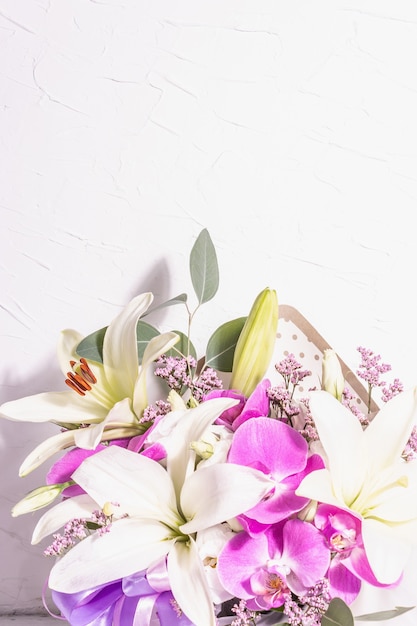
(384, 615)
(91, 347)
(222, 343)
(337, 614)
(183, 346)
(181, 299)
(144, 333)
(204, 269)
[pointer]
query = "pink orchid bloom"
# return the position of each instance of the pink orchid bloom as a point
(256, 405)
(349, 565)
(279, 451)
(264, 570)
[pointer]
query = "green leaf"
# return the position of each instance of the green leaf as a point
(338, 614)
(204, 269)
(177, 300)
(183, 346)
(222, 343)
(384, 615)
(91, 347)
(144, 333)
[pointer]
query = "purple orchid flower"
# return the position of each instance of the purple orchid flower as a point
(349, 565)
(256, 405)
(289, 557)
(277, 450)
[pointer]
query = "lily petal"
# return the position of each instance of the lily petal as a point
(397, 502)
(131, 545)
(190, 426)
(138, 484)
(45, 450)
(51, 405)
(55, 518)
(157, 345)
(388, 433)
(318, 486)
(120, 356)
(89, 438)
(214, 494)
(189, 584)
(335, 423)
(386, 549)
(67, 343)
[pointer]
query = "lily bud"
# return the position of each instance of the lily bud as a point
(38, 498)
(333, 380)
(256, 342)
(175, 400)
(202, 448)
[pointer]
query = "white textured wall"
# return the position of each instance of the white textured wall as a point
(287, 128)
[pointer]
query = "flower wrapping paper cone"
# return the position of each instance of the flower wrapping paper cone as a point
(296, 335)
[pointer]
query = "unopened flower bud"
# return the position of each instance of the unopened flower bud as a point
(256, 342)
(175, 400)
(202, 448)
(333, 380)
(108, 509)
(308, 512)
(38, 498)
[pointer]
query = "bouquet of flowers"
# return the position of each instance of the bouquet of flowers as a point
(219, 496)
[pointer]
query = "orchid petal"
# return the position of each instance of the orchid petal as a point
(240, 558)
(131, 545)
(214, 494)
(139, 485)
(343, 583)
(264, 438)
(305, 553)
(189, 584)
(53, 406)
(120, 355)
(56, 517)
(388, 433)
(284, 501)
(358, 565)
(157, 345)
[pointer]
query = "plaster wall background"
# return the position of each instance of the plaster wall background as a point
(287, 129)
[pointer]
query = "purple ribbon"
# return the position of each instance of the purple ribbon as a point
(130, 601)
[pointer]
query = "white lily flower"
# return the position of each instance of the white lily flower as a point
(104, 395)
(161, 511)
(366, 475)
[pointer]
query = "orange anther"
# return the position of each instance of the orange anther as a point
(81, 378)
(86, 372)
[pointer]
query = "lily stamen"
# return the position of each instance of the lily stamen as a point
(80, 380)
